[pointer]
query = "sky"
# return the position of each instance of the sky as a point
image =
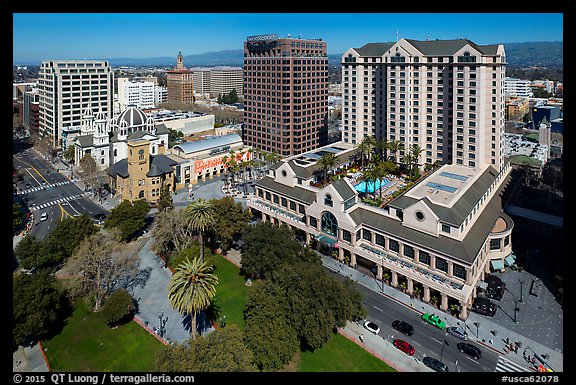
(67, 36)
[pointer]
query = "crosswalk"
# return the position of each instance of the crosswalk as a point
(505, 365)
(54, 202)
(48, 186)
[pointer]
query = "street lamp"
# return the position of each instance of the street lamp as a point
(521, 283)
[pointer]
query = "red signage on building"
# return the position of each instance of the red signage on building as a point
(201, 165)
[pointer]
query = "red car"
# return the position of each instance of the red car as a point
(405, 347)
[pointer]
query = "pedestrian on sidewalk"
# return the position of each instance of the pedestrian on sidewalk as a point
(362, 338)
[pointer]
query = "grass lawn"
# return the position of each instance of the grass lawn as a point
(87, 344)
(231, 292)
(341, 355)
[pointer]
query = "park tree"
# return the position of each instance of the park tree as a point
(17, 216)
(190, 253)
(172, 232)
(71, 231)
(231, 220)
(102, 264)
(268, 333)
(266, 246)
(165, 202)
(128, 217)
(28, 252)
(220, 351)
(89, 170)
(200, 216)
(192, 288)
(38, 308)
(315, 303)
(69, 153)
(118, 307)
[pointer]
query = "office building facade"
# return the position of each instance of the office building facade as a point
(66, 88)
(285, 94)
(138, 93)
(445, 96)
(180, 83)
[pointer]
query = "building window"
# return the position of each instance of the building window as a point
(380, 240)
(367, 235)
(346, 236)
(301, 209)
(424, 257)
(276, 199)
(329, 223)
(292, 205)
(459, 271)
(445, 228)
(441, 264)
(313, 222)
(328, 200)
(393, 245)
(260, 193)
(284, 202)
(495, 244)
(268, 195)
(506, 240)
(141, 194)
(408, 251)
(358, 235)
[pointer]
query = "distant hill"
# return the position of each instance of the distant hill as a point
(545, 54)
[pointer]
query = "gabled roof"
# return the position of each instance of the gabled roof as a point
(160, 165)
(119, 168)
(373, 49)
(162, 129)
(85, 140)
(297, 193)
(456, 214)
(449, 47)
(139, 134)
(344, 189)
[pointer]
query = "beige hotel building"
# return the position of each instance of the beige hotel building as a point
(441, 236)
(446, 96)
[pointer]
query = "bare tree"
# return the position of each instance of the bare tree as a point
(171, 228)
(103, 264)
(90, 172)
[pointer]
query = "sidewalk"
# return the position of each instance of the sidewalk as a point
(29, 359)
(485, 336)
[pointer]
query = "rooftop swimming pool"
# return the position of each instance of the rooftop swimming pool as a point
(370, 187)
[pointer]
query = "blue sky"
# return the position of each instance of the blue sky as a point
(61, 36)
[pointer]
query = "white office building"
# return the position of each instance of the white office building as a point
(67, 88)
(220, 80)
(517, 87)
(139, 93)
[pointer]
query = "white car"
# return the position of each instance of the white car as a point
(372, 327)
(43, 217)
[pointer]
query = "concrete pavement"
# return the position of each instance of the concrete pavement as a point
(29, 359)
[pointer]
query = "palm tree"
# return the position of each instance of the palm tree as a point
(366, 146)
(192, 288)
(200, 215)
(416, 151)
(371, 174)
(326, 162)
(382, 145)
(408, 159)
(225, 163)
(396, 146)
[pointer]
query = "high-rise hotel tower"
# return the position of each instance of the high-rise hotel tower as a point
(66, 88)
(285, 94)
(445, 96)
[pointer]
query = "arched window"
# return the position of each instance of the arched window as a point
(141, 155)
(329, 224)
(141, 195)
(328, 200)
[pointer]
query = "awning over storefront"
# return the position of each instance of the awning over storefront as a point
(497, 265)
(510, 259)
(328, 240)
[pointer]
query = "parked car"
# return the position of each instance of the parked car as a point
(434, 320)
(435, 364)
(372, 327)
(405, 347)
(469, 349)
(403, 327)
(43, 217)
(457, 332)
(484, 306)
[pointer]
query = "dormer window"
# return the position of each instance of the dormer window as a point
(328, 200)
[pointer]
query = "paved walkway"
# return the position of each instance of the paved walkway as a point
(29, 359)
(150, 289)
(482, 335)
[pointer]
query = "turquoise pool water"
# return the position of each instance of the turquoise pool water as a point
(370, 187)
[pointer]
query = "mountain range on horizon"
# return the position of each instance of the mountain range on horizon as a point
(546, 54)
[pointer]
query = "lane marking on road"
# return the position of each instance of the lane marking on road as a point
(376, 307)
(473, 360)
(440, 342)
